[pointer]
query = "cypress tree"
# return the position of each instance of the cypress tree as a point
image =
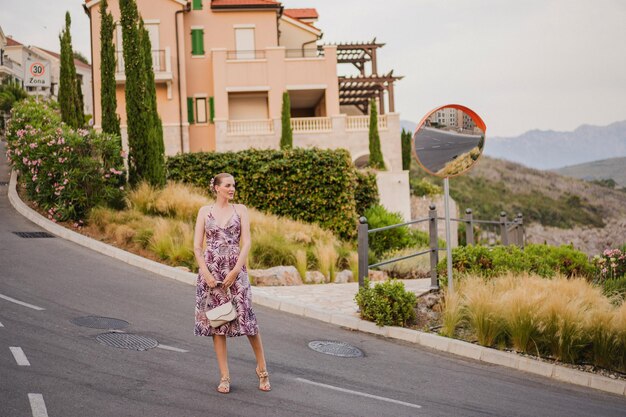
(69, 86)
(286, 136)
(376, 155)
(155, 153)
(136, 115)
(108, 99)
(406, 137)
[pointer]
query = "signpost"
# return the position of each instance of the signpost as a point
(448, 142)
(36, 73)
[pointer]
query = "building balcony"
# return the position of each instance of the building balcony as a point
(341, 131)
(8, 67)
(301, 125)
(161, 65)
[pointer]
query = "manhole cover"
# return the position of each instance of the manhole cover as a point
(127, 341)
(336, 349)
(3, 183)
(96, 322)
(33, 235)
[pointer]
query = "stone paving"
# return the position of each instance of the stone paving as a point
(332, 298)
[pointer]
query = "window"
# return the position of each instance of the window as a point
(201, 109)
(197, 41)
(197, 4)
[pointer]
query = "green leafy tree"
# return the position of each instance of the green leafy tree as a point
(10, 93)
(108, 99)
(155, 154)
(286, 136)
(70, 96)
(376, 155)
(406, 149)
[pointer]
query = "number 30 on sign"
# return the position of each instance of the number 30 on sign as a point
(37, 74)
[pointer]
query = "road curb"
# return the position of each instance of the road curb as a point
(430, 340)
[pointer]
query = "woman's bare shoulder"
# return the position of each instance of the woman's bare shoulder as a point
(204, 210)
(241, 207)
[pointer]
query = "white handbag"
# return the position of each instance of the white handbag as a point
(222, 314)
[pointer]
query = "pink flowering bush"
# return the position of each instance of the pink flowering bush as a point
(611, 264)
(64, 171)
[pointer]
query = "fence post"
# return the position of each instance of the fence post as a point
(469, 227)
(363, 251)
(434, 247)
(520, 229)
(503, 231)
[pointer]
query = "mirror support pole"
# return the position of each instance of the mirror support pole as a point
(446, 192)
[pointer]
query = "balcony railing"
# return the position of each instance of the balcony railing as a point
(311, 124)
(236, 55)
(363, 122)
(160, 61)
(250, 127)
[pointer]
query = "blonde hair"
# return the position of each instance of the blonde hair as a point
(217, 180)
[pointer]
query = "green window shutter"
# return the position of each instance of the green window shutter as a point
(197, 4)
(190, 110)
(197, 42)
(211, 109)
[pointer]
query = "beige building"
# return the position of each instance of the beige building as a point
(9, 69)
(221, 68)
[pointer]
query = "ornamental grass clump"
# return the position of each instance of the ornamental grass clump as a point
(326, 255)
(452, 314)
(482, 310)
(520, 317)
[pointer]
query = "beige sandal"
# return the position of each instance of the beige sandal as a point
(263, 375)
(224, 386)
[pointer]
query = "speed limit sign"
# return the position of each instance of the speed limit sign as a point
(37, 73)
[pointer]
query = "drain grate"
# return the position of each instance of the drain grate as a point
(341, 349)
(33, 235)
(96, 322)
(127, 341)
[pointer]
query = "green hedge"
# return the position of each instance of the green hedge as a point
(312, 185)
(387, 303)
(544, 260)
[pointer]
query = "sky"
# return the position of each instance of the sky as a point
(521, 65)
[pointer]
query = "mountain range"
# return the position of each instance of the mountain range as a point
(548, 149)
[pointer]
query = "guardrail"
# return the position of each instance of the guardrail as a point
(250, 127)
(363, 122)
(311, 124)
(511, 232)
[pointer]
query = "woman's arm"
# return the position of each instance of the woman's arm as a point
(198, 239)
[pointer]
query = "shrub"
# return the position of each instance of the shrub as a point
(65, 172)
(615, 288)
(312, 185)
(381, 242)
(543, 260)
(366, 193)
(387, 303)
(423, 187)
(610, 265)
(416, 267)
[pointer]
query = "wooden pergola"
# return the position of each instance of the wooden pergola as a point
(359, 90)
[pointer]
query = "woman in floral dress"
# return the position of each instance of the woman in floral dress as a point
(222, 276)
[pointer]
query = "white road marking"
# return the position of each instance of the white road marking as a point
(436, 146)
(13, 300)
(19, 356)
(1, 325)
(173, 349)
(362, 394)
(37, 405)
(419, 149)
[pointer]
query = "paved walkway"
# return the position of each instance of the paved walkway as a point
(332, 298)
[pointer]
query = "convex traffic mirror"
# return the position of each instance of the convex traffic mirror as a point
(449, 140)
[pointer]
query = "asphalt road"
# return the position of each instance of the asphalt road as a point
(436, 148)
(75, 376)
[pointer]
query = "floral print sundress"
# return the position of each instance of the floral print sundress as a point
(221, 255)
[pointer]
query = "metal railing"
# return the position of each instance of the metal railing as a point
(239, 54)
(512, 233)
(159, 61)
(311, 124)
(354, 123)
